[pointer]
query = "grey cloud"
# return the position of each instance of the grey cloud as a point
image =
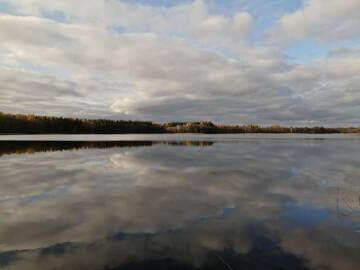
(162, 77)
(30, 92)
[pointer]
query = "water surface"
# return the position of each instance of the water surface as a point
(180, 202)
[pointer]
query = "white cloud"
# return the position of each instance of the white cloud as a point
(323, 20)
(163, 64)
(190, 20)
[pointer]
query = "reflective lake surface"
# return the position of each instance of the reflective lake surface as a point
(183, 202)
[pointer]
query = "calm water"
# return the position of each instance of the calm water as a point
(180, 202)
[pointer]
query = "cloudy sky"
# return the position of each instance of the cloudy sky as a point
(235, 61)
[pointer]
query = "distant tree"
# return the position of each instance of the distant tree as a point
(32, 124)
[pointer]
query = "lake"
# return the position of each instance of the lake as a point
(180, 202)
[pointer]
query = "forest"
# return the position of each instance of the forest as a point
(33, 124)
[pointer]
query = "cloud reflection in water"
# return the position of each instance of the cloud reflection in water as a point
(239, 204)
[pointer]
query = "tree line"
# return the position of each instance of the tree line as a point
(33, 124)
(211, 128)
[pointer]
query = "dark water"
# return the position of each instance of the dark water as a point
(255, 203)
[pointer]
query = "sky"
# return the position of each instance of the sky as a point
(290, 62)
